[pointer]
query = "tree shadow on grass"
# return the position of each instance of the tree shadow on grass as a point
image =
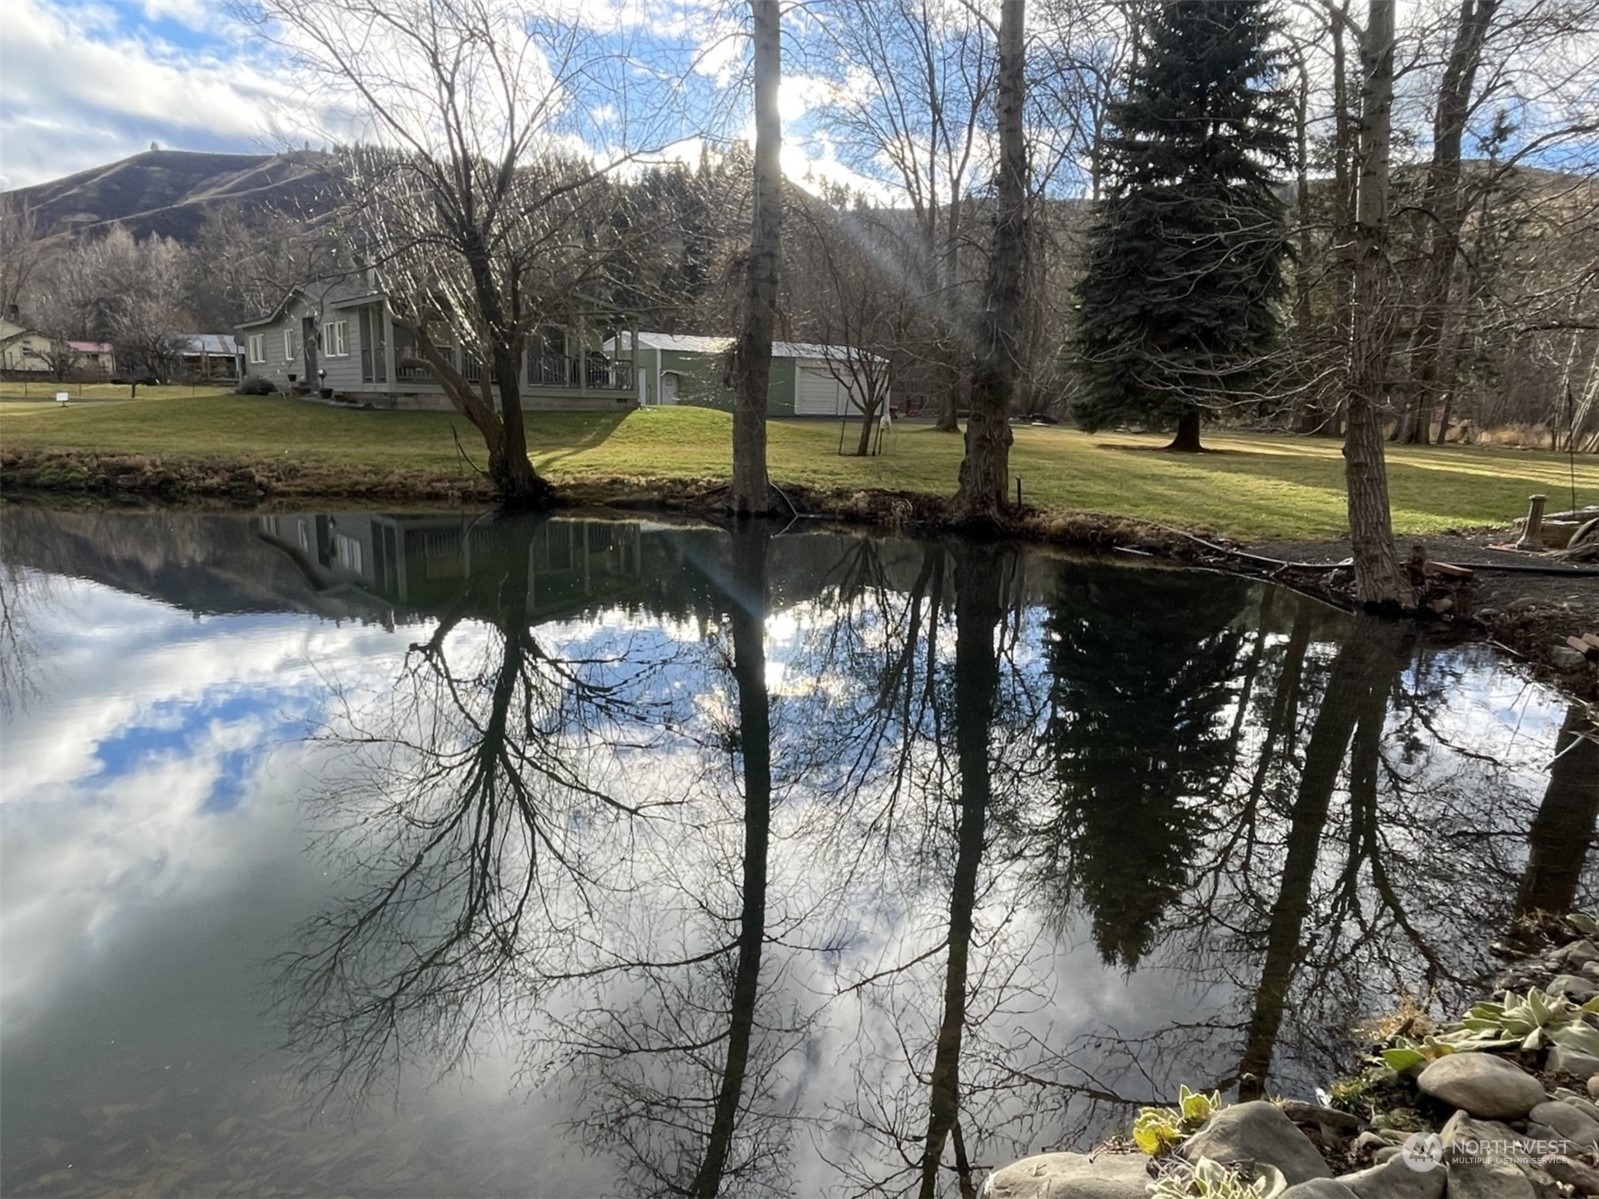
(596, 429)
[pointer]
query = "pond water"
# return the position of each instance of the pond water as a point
(450, 855)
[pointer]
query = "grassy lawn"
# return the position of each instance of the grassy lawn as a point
(1256, 486)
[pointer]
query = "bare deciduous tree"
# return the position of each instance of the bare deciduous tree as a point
(463, 190)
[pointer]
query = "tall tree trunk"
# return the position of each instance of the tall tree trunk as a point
(753, 359)
(514, 478)
(748, 620)
(985, 469)
(1445, 204)
(1310, 416)
(1343, 194)
(1378, 579)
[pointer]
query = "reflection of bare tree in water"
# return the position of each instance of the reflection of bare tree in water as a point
(953, 731)
(977, 616)
(1563, 830)
(1354, 708)
(20, 590)
(470, 797)
(680, 1058)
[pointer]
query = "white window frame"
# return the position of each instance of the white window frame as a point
(257, 348)
(336, 339)
(289, 351)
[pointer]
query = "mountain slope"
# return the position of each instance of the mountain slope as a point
(170, 192)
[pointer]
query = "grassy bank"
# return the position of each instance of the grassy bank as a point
(1255, 486)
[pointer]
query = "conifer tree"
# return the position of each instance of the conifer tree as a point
(1180, 300)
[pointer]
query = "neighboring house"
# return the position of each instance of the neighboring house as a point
(93, 359)
(210, 355)
(341, 338)
(28, 354)
(807, 379)
(25, 352)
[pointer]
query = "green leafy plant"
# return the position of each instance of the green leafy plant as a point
(1209, 1179)
(1409, 1056)
(1157, 1129)
(1531, 1021)
(1585, 924)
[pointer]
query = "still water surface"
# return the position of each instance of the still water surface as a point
(442, 855)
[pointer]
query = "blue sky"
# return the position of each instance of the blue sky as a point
(89, 82)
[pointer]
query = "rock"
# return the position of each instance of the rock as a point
(1318, 1188)
(1593, 1086)
(1568, 1123)
(1476, 1152)
(1369, 1142)
(1568, 1061)
(1524, 604)
(1259, 1132)
(1387, 1154)
(1301, 1112)
(1395, 1179)
(1583, 1104)
(1482, 1084)
(1579, 953)
(1563, 657)
(1580, 1178)
(1072, 1176)
(1576, 987)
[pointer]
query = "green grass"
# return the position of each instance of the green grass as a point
(1256, 486)
(35, 390)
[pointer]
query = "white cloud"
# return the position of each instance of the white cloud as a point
(81, 90)
(196, 14)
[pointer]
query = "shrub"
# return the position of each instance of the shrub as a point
(254, 385)
(1159, 1129)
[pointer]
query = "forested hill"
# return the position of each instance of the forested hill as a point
(171, 192)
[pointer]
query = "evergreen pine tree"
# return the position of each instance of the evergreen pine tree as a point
(1179, 302)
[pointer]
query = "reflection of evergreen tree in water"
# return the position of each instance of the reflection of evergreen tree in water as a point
(1142, 666)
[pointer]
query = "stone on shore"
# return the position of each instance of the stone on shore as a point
(1319, 1188)
(1257, 1132)
(1475, 1151)
(1569, 1061)
(1072, 1176)
(1483, 1084)
(1395, 1179)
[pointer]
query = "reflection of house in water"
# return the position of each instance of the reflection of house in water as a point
(418, 563)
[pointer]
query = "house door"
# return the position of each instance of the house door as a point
(308, 343)
(669, 387)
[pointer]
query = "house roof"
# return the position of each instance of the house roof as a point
(90, 347)
(223, 344)
(695, 344)
(332, 294)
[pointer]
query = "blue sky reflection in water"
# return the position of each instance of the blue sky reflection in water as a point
(412, 855)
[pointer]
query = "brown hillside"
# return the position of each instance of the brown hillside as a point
(170, 192)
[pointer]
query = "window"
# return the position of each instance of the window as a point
(258, 347)
(288, 345)
(336, 339)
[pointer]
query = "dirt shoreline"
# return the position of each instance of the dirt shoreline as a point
(1528, 614)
